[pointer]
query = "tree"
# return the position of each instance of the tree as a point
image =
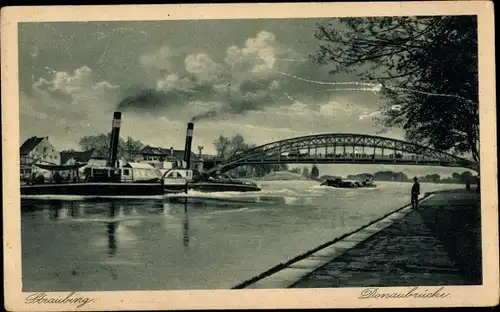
(425, 66)
(434, 178)
(305, 172)
(280, 167)
(100, 144)
(466, 176)
(222, 146)
(314, 171)
(132, 148)
(228, 147)
(238, 145)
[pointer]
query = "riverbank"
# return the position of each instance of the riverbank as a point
(283, 176)
(404, 248)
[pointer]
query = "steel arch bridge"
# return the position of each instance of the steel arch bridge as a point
(343, 148)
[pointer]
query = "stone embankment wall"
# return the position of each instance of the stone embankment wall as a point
(458, 227)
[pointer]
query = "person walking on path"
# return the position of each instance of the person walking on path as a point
(415, 191)
(467, 185)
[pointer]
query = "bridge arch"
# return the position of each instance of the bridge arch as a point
(331, 148)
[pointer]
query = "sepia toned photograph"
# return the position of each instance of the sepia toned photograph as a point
(245, 156)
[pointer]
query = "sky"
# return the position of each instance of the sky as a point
(252, 77)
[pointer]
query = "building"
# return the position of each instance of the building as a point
(71, 157)
(163, 158)
(90, 158)
(37, 150)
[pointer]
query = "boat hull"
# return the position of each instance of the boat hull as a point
(94, 189)
(335, 186)
(222, 187)
(173, 189)
(349, 185)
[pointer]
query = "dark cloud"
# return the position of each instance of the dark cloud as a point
(149, 99)
(237, 104)
(154, 100)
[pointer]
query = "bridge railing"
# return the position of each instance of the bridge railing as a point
(341, 158)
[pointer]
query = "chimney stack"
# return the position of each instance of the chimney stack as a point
(189, 140)
(114, 140)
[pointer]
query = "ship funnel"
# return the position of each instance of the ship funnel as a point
(114, 140)
(187, 148)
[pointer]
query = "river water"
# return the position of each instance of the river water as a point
(216, 240)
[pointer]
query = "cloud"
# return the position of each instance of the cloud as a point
(370, 115)
(203, 68)
(160, 59)
(378, 113)
(274, 85)
(173, 82)
(73, 93)
(64, 103)
(257, 57)
(333, 108)
(243, 80)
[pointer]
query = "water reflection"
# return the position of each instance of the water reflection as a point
(185, 229)
(112, 245)
(73, 210)
(54, 210)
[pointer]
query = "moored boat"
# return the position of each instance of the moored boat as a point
(340, 183)
(222, 183)
(109, 181)
(178, 180)
(175, 181)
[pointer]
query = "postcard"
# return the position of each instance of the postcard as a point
(249, 156)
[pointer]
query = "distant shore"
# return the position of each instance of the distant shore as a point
(284, 176)
(291, 176)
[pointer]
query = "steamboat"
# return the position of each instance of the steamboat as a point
(111, 180)
(130, 179)
(179, 180)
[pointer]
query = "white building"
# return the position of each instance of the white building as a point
(37, 150)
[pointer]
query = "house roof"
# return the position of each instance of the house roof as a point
(30, 144)
(82, 157)
(150, 150)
